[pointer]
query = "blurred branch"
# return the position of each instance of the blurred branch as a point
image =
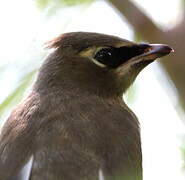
(136, 18)
(147, 29)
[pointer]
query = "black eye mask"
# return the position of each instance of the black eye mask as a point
(114, 57)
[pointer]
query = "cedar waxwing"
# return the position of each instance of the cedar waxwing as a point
(74, 124)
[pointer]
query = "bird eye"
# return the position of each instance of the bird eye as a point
(110, 57)
(105, 56)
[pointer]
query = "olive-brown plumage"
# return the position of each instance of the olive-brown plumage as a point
(74, 125)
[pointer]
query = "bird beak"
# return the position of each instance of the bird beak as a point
(145, 54)
(154, 51)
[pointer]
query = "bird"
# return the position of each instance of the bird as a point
(74, 123)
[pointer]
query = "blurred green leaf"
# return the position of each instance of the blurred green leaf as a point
(137, 37)
(42, 3)
(51, 7)
(17, 94)
(182, 150)
(59, 3)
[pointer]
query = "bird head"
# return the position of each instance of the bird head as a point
(96, 63)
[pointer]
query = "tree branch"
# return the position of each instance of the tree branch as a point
(142, 23)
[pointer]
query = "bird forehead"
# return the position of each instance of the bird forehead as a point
(81, 40)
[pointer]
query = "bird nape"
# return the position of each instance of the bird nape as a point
(74, 123)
